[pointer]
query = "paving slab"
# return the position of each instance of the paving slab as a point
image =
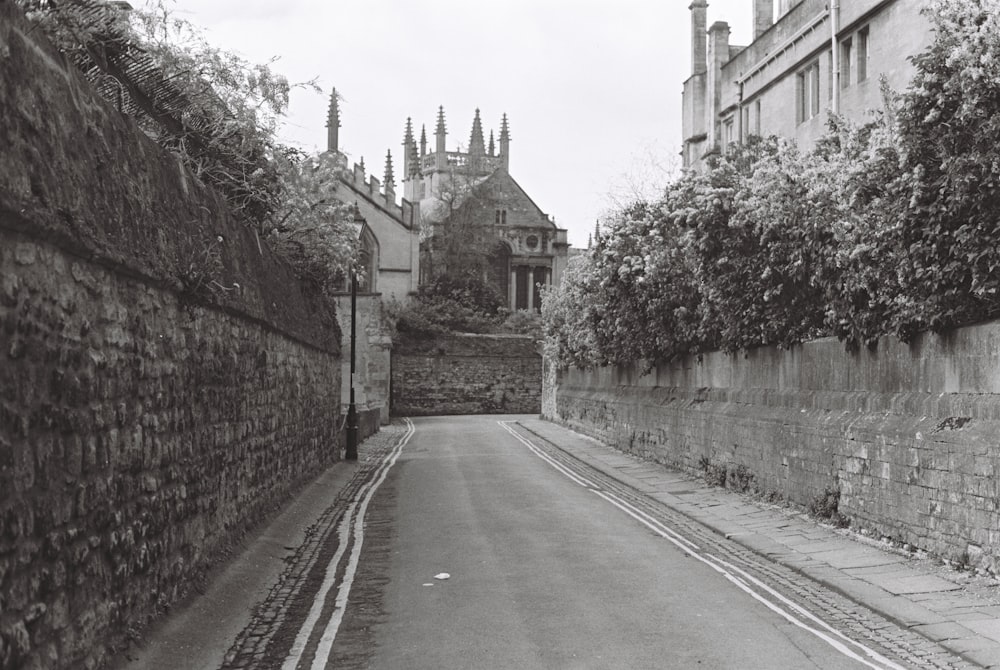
(917, 584)
(986, 627)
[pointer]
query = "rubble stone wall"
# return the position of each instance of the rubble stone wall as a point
(164, 381)
(467, 374)
(908, 435)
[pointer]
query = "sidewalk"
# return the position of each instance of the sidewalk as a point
(200, 630)
(957, 610)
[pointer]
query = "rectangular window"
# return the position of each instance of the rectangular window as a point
(845, 63)
(727, 133)
(498, 217)
(807, 86)
(756, 116)
(503, 216)
(862, 64)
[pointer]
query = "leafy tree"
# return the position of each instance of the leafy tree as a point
(949, 144)
(460, 239)
(311, 228)
(569, 312)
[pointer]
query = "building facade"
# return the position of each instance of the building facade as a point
(389, 234)
(474, 189)
(807, 60)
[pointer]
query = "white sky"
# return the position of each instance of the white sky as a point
(592, 88)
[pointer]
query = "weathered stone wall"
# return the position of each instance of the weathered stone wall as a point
(908, 435)
(373, 349)
(467, 374)
(163, 382)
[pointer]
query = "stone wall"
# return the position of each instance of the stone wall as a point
(164, 383)
(466, 374)
(907, 435)
(373, 349)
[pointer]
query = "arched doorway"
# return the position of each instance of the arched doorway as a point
(500, 270)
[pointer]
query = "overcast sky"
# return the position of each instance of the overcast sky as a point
(592, 88)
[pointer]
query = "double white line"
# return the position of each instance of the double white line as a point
(746, 582)
(350, 532)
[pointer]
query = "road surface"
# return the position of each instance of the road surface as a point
(472, 546)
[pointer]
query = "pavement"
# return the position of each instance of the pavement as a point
(956, 609)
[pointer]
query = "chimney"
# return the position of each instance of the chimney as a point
(763, 16)
(699, 25)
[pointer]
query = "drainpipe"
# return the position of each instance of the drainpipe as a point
(835, 55)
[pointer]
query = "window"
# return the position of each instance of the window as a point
(503, 216)
(498, 217)
(756, 117)
(862, 54)
(807, 85)
(727, 133)
(845, 63)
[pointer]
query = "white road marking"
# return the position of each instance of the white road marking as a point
(739, 577)
(586, 483)
(356, 513)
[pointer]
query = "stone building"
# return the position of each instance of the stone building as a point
(390, 242)
(525, 248)
(808, 59)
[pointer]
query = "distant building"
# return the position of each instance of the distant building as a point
(391, 240)
(815, 57)
(528, 250)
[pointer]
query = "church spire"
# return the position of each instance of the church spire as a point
(504, 143)
(423, 140)
(492, 147)
(476, 145)
(333, 124)
(388, 179)
(407, 143)
(441, 157)
(413, 162)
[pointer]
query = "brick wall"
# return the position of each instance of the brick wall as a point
(163, 382)
(908, 435)
(467, 374)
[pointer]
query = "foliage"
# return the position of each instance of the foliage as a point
(568, 312)
(523, 322)
(311, 228)
(460, 236)
(885, 227)
(949, 126)
(216, 111)
(219, 114)
(462, 304)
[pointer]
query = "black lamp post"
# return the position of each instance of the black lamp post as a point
(351, 452)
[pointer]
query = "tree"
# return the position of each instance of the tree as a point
(949, 169)
(460, 240)
(311, 228)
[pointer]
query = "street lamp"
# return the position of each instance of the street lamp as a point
(351, 450)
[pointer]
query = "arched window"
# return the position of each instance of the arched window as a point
(368, 262)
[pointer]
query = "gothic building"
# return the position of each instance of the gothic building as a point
(810, 59)
(389, 231)
(472, 193)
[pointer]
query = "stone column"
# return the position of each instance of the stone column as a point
(513, 287)
(531, 288)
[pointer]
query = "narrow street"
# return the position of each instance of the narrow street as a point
(471, 546)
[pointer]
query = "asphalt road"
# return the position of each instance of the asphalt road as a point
(545, 570)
